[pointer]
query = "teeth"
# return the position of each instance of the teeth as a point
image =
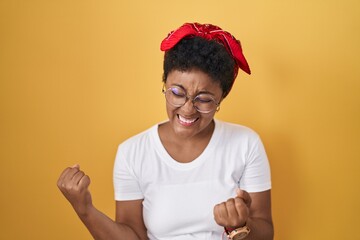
(187, 120)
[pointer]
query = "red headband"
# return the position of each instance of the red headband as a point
(209, 32)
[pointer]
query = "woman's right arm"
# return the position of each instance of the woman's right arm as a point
(129, 225)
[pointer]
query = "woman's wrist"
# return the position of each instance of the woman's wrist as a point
(237, 233)
(84, 210)
(232, 228)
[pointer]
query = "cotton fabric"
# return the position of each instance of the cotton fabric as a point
(178, 198)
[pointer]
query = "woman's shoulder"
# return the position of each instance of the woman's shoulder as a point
(238, 136)
(235, 129)
(140, 138)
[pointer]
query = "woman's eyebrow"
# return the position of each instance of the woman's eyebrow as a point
(205, 92)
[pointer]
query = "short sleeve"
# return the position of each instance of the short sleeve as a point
(256, 176)
(126, 185)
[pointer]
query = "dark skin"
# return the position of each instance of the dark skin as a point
(74, 185)
(129, 223)
(184, 142)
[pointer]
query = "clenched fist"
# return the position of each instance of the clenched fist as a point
(234, 212)
(74, 184)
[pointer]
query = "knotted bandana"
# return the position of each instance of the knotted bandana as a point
(209, 32)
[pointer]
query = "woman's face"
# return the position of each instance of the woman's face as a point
(186, 121)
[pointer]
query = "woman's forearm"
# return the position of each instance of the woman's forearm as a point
(74, 184)
(260, 229)
(102, 227)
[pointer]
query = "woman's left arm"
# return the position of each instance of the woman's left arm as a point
(250, 209)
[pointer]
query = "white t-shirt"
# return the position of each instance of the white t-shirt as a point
(179, 197)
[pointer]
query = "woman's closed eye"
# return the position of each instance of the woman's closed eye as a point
(203, 99)
(177, 92)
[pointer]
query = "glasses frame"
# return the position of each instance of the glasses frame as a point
(188, 97)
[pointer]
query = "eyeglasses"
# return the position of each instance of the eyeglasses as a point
(177, 97)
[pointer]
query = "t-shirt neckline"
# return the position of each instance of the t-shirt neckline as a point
(208, 151)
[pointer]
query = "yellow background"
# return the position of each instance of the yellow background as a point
(79, 77)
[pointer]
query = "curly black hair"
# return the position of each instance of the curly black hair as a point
(208, 56)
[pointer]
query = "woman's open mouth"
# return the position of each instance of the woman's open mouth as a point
(186, 121)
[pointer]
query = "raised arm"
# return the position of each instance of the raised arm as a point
(252, 210)
(74, 184)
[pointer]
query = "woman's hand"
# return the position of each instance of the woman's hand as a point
(234, 212)
(74, 184)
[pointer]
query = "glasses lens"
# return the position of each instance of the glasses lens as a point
(204, 103)
(176, 96)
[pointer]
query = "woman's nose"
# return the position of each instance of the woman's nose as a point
(188, 107)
